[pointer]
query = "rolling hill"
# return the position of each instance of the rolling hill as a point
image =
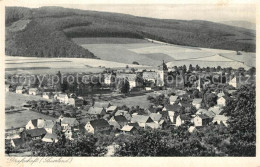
(48, 31)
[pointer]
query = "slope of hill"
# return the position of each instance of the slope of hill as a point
(47, 31)
(242, 24)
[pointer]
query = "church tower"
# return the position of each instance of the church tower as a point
(163, 74)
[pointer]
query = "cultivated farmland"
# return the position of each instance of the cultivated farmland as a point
(152, 53)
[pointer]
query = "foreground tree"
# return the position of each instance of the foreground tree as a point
(242, 124)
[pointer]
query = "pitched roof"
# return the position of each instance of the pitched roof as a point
(38, 122)
(140, 118)
(155, 116)
(173, 98)
(185, 117)
(36, 132)
(153, 125)
(62, 95)
(120, 118)
(121, 112)
(203, 116)
(130, 77)
(112, 108)
(197, 101)
(172, 107)
(127, 128)
(95, 110)
(50, 136)
(19, 87)
(150, 75)
(221, 94)
(99, 123)
(102, 104)
(18, 141)
(49, 123)
(33, 89)
(206, 112)
(133, 124)
(68, 120)
(220, 118)
(216, 110)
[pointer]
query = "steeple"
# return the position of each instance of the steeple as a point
(165, 68)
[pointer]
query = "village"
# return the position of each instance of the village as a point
(196, 103)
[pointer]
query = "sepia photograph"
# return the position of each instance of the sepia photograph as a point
(129, 80)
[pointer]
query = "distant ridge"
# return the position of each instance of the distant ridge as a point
(47, 31)
(242, 24)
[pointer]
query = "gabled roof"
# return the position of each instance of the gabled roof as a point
(150, 75)
(127, 128)
(49, 123)
(203, 116)
(95, 110)
(112, 108)
(68, 120)
(173, 98)
(38, 122)
(197, 101)
(206, 112)
(99, 123)
(20, 88)
(50, 136)
(36, 132)
(155, 116)
(185, 117)
(133, 124)
(120, 118)
(172, 107)
(220, 118)
(121, 112)
(130, 77)
(62, 95)
(221, 94)
(153, 125)
(216, 110)
(18, 141)
(102, 104)
(33, 89)
(140, 118)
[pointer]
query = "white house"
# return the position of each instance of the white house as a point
(173, 99)
(233, 82)
(221, 101)
(95, 126)
(7, 87)
(181, 119)
(62, 98)
(33, 91)
(20, 89)
(201, 120)
(46, 95)
(197, 103)
(35, 123)
(51, 126)
(50, 138)
(67, 123)
(220, 119)
(141, 120)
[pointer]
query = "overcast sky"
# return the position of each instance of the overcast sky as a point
(216, 13)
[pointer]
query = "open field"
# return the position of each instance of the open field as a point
(17, 100)
(35, 65)
(152, 53)
(20, 118)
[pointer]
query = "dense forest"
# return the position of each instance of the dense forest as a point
(47, 31)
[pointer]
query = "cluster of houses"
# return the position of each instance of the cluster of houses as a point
(104, 117)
